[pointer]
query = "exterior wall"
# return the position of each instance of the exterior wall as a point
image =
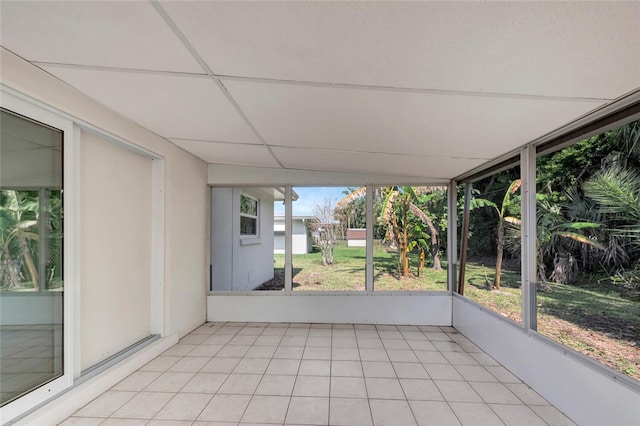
(222, 239)
(185, 192)
(278, 243)
(301, 241)
(116, 241)
(356, 237)
(240, 263)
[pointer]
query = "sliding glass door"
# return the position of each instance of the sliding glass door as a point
(31, 279)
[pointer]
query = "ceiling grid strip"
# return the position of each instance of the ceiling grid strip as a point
(174, 27)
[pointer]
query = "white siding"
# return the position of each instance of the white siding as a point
(240, 263)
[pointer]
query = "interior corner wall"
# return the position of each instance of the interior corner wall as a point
(186, 243)
(116, 243)
(185, 188)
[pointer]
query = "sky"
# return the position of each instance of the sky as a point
(309, 197)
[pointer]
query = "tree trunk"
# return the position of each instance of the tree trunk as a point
(8, 263)
(496, 279)
(31, 266)
(405, 245)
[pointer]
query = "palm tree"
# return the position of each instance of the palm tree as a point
(557, 239)
(616, 193)
(398, 209)
(508, 201)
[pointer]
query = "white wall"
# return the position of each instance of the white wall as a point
(116, 248)
(320, 307)
(582, 392)
(222, 239)
(301, 242)
(356, 243)
(185, 191)
(240, 263)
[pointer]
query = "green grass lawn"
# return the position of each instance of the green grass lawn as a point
(594, 318)
(348, 271)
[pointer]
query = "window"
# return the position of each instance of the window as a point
(492, 275)
(250, 255)
(409, 238)
(248, 216)
(328, 238)
(588, 232)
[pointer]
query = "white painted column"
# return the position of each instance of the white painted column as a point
(528, 231)
(452, 234)
(288, 222)
(369, 238)
(157, 306)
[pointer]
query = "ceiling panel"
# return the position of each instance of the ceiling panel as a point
(109, 34)
(227, 153)
(564, 49)
(434, 169)
(399, 122)
(186, 107)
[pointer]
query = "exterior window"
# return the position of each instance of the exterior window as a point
(248, 216)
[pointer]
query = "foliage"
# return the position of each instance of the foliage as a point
(18, 229)
(405, 220)
(20, 239)
(588, 209)
(352, 214)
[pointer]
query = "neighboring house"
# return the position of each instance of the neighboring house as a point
(356, 237)
(301, 240)
(242, 242)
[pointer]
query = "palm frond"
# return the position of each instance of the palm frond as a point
(351, 197)
(617, 192)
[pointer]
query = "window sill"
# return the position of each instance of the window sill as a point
(248, 241)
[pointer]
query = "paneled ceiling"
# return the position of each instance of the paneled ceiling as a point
(426, 90)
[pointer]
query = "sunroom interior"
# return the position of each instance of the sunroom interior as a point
(145, 143)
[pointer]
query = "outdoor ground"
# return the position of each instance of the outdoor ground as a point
(594, 318)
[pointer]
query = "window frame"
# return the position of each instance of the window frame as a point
(18, 104)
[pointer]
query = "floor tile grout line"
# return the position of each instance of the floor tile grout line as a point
(456, 367)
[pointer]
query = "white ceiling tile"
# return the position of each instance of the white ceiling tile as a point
(565, 49)
(399, 122)
(433, 169)
(229, 153)
(109, 34)
(172, 106)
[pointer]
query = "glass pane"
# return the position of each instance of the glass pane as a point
(589, 247)
(326, 217)
(248, 225)
(492, 273)
(248, 205)
(31, 283)
(410, 235)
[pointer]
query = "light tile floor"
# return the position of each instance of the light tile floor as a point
(320, 374)
(30, 355)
